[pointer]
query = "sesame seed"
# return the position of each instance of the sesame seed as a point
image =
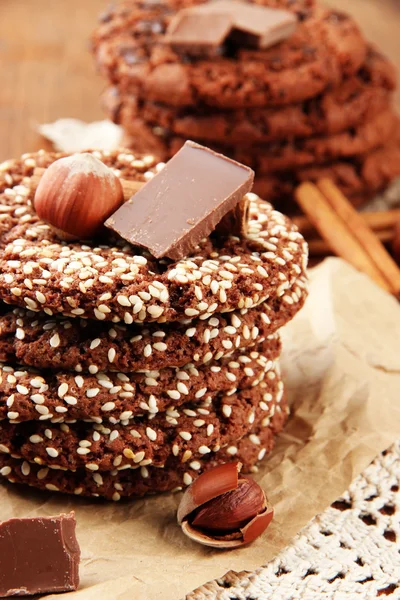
(21, 389)
(108, 406)
(40, 297)
(111, 355)
(55, 341)
(4, 449)
(185, 435)
(191, 331)
(155, 311)
(151, 434)
(187, 479)
(232, 450)
(52, 452)
(123, 301)
(186, 455)
(71, 400)
(227, 410)
(160, 346)
(139, 457)
(51, 487)
(174, 394)
(254, 439)
(147, 350)
(182, 388)
(204, 450)
(62, 390)
(191, 312)
(35, 439)
(83, 451)
(207, 357)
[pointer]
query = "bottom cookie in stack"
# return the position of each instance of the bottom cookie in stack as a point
(154, 453)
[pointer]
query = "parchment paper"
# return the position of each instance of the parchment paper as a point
(342, 370)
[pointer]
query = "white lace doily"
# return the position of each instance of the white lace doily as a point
(350, 551)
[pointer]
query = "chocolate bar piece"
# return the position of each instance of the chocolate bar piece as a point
(183, 203)
(199, 34)
(38, 555)
(203, 29)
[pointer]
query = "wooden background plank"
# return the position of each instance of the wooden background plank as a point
(47, 71)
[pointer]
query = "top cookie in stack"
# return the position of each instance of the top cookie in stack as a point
(314, 104)
(123, 374)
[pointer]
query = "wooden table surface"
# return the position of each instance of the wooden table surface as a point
(47, 70)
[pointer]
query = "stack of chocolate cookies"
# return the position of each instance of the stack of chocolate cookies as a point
(314, 104)
(123, 374)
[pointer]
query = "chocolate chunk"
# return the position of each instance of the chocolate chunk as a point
(199, 34)
(202, 30)
(38, 555)
(183, 203)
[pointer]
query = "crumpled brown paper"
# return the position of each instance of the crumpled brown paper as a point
(342, 370)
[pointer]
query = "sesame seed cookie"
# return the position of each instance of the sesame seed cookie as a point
(189, 432)
(358, 99)
(130, 52)
(27, 394)
(86, 346)
(113, 281)
(175, 476)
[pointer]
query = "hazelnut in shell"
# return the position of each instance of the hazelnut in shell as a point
(76, 195)
(224, 509)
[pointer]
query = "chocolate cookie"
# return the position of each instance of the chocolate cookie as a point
(357, 100)
(113, 281)
(27, 394)
(130, 51)
(86, 346)
(176, 474)
(360, 178)
(288, 154)
(190, 432)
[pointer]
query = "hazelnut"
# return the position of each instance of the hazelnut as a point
(77, 194)
(223, 509)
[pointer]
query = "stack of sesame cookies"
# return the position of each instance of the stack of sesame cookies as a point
(316, 104)
(123, 375)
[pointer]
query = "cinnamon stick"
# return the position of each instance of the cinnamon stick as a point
(377, 221)
(362, 233)
(320, 247)
(336, 233)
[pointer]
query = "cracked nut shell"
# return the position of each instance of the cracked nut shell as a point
(224, 509)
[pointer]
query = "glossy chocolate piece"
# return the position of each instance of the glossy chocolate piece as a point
(183, 203)
(38, 555)
(203, 30)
